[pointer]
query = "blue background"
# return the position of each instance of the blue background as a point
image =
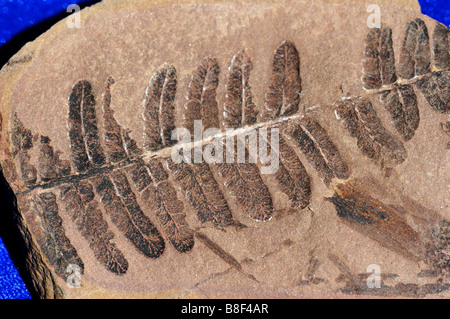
(24, 20)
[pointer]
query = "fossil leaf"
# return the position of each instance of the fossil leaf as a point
(151, 181)
(239, 108)
(244, 182)
(318, 148)
(83, 131)
(201, 103)
(378, 62)
(81, 206)
(283, 92)
(201, 190)
(121, 205)
(291, 175)
(159, 107)
(441, 49)
(360, 119)
(415, 57)
(436, 90)
(118, 144)
(54, 241)
(401, 103)
(22, 142)
(50, 165)
(112, 137)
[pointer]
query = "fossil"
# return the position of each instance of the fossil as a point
(102, 190)
(239, 108)
(159, 108)
(283, 92)
(202, 192)
(313, 140)
(374, 141)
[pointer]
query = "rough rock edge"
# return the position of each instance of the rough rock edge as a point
(39, 274)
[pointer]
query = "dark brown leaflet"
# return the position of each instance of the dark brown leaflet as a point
(54, 242)
(415, 57)
(83, 131)
(118, 144)
(21, 138)
(201, 190)
(50, 166)
(79, 156)
(172, 218)
(244, 182)
(371, 62)
(239, 108)
(320, 151)
(401, 103)
(378, 62)
(387, 60)
(80, 204)
(441, 48)
(140, 176)
(436, 89)
(242, 179)
(158, 194)
(291, 174)
(112, 136)
(283, 92)
(121, 205)
(159, 108)
(201, 101)
(131, 147)
(22, 142)
(360, 119)
(292, 177)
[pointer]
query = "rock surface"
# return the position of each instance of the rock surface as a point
(363, 181)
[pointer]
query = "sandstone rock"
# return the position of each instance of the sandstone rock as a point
(362, 182)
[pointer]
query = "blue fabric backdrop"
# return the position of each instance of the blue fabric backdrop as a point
(17, 18)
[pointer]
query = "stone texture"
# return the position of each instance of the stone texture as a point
(400, 213)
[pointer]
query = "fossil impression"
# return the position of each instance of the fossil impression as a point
(91, 121)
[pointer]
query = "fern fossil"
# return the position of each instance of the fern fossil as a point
(110, 174)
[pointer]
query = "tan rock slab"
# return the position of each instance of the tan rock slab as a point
(363, 178)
